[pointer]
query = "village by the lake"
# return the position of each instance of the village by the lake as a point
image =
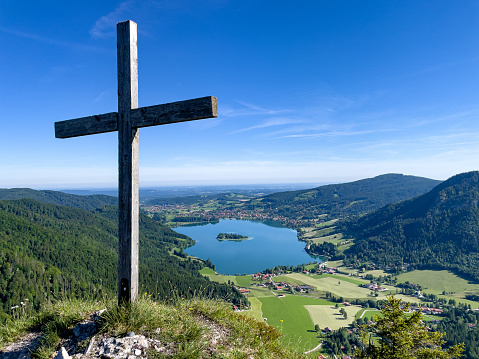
(305, 187)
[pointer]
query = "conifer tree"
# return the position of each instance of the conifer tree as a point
(403, 336)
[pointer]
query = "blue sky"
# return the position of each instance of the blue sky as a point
(308, 91)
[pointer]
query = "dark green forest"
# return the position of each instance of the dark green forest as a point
(437, 230)
(88, 203)
(49, 252)
(339, 200)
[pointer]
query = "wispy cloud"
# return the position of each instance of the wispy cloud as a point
(335, 134)
(438, 68)
(249, 109)
(54, 73)
(100, 97)
(52, 41)
(277, 121)
(105, 26)
(205, 124)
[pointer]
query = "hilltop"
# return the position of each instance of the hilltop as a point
(88, 203)
(437, 230)
(299, 208)
(338, 200)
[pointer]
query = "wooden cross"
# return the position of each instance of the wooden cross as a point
(127, 121)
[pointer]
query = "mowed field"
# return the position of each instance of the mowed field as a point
(296, 315)
(289, 316)
(329, 316)
(435, 282)
(337, 285)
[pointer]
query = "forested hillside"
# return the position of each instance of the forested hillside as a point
(48, 252)
(439, 229)
(88, 203)
(344, 199)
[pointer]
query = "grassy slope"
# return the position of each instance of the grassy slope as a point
(435, 282)
(297, 324)
(190, 327)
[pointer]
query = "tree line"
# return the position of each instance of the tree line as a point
(50, 252)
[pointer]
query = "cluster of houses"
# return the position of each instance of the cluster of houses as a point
(285, 285)
(373, 266)
(426, 310)
(327, 270)
(164, 207)
(262, 276)
(251, 214)
(224, 213)
(375, 287)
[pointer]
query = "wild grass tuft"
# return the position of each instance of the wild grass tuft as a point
(195, 328)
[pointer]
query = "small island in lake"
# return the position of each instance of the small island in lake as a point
(231, 237)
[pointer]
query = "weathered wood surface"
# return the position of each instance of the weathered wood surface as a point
(180, 111)
(90, 125)
(127, 121)
(128, 176)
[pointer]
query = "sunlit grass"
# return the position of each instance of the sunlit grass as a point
(187, 325)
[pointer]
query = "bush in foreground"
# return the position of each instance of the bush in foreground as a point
(400, 335)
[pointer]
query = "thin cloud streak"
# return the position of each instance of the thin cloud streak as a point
(335, 134)
(249, 110)
(52, 41)
(105, 26)
(271, 123)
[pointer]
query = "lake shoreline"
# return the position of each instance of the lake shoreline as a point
(273, 245)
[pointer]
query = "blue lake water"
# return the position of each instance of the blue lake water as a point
(270, 245)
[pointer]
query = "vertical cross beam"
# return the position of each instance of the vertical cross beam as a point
(127, 121)
(128, 175)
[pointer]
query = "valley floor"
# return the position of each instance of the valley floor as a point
(296, 314)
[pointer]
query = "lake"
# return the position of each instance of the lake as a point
(270, 245)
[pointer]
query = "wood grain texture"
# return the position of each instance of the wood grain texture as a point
(128, 178)
(181, 111)
(90, 125)
(127, 121)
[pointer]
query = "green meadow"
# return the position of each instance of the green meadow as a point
(256, 309)
(338, 285)
(329, 316)
(289, 316)
(435, 282)
(296, 315)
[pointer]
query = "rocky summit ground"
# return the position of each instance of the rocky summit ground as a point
(87, 342)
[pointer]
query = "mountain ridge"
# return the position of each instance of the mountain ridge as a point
(343, 199)
(439, 229)
(89, 202)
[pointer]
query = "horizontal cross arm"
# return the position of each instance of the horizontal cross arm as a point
(90, 125)
(181, 111)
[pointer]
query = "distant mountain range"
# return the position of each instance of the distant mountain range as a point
(439, 229)
(345, 199)
(88, 203)
(59, 244)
